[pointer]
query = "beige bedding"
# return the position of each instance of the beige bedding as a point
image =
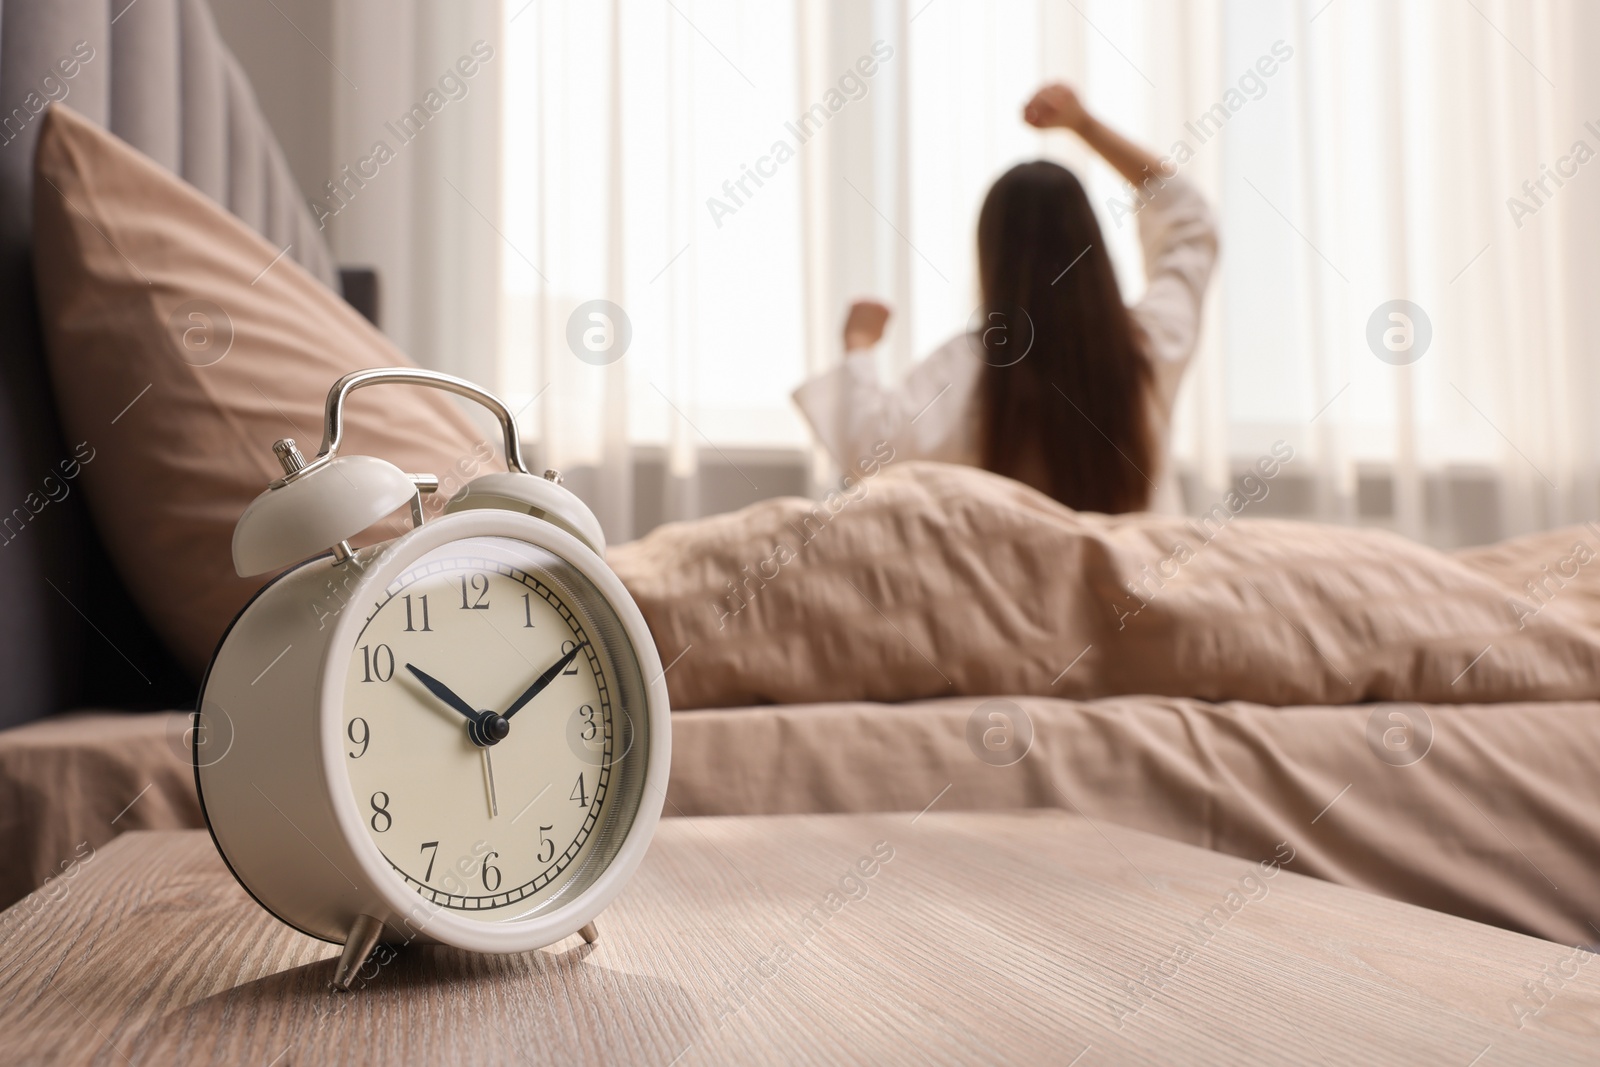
(1501, 810)
(1497, 821)
(941, 586)
(929, 580)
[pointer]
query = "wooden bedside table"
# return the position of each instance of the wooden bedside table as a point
(974, 938)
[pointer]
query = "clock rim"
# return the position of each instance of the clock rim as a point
(441, 924)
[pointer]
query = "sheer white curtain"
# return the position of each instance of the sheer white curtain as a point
(621, 120)
(1381, 164)
(653, 154)
(415, 190)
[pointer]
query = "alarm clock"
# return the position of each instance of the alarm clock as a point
(457, 736)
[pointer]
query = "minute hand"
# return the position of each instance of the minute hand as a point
(543, 680)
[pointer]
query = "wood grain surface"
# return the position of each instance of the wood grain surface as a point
(1033, 937)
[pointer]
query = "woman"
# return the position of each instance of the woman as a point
(1059, 384)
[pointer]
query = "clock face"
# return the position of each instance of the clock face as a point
(494, 728)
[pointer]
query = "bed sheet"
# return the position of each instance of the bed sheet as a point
(1491, 812)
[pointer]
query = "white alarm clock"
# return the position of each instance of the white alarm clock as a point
(457, 736)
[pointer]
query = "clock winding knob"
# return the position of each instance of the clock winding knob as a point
(289, 455)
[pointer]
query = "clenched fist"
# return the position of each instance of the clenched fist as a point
(863, 326)
(1056, 106)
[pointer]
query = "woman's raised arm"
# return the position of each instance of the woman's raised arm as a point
(1058, 107)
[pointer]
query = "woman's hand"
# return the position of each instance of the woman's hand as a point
(863, 327)
(1056, 106)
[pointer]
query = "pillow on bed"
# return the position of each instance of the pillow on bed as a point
(181, 345)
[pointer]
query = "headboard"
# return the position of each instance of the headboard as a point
(156, 73)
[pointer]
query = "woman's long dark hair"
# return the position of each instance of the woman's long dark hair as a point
(1069, 418)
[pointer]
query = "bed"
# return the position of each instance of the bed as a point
(1498, 824)
(1484, 806)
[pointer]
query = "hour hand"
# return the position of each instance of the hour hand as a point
(543, 680)
(484, 728)
(442, 691)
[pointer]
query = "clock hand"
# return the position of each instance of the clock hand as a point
(442, 691)
(483, 727)
(543, 680)
(488, 777)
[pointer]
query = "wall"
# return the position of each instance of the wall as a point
(331, 76)
(278, 45)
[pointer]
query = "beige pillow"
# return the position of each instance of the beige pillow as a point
(181, 345)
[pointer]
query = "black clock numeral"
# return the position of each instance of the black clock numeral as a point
(590, 729)
(366, 735)
(480, 586)
(578, 793)
(547, 847)
(377, 664)
(527, 611)
(425, 628)
(380, 809)
(487, 867)
(426, 845)
(568, 646)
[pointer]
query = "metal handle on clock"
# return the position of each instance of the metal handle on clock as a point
(333, 420)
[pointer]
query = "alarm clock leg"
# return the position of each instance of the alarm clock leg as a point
(589, 934)
(357, 947)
